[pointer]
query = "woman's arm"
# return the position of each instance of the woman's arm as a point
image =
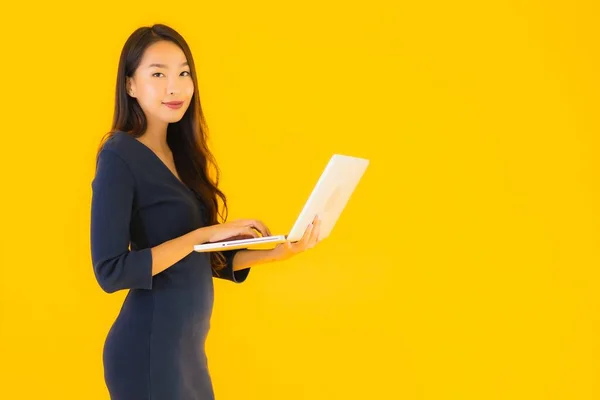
(168, 253)
(247, 258)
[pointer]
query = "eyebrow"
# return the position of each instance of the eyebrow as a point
(164, 66)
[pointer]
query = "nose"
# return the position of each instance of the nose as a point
(174, 87)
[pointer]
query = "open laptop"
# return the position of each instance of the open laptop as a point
(327, 200)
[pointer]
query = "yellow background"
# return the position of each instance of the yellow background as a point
(466, 263)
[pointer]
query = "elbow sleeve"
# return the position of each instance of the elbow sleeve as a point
(228, 273)
(130, 270)
(116, 267)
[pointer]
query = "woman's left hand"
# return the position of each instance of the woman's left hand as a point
(309, 240)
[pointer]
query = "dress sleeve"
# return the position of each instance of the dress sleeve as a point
(227, 272)
(115, 266)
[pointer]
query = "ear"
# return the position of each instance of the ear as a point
(129, 86)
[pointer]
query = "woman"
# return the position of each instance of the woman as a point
(153, 199)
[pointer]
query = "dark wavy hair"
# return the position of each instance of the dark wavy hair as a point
(187, 138)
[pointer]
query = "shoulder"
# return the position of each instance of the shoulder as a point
(126, 148)
(119, 143)
(116, 158)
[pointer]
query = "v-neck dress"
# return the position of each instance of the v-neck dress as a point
(155, 347)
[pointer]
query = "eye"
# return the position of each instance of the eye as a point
(184, 72)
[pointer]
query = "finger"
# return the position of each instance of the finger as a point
(262, 228)
(256, 224)
(243, 222)
(244, 228)
(239, 237)
(306, 237)
(249, 231)
(315, 234)
(301, 244)
(308, 232)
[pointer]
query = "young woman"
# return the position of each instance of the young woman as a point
(153, 199)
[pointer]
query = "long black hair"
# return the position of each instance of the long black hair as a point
(187, 138)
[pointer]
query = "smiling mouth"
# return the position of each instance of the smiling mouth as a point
(174, 106)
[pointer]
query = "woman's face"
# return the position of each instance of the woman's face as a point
(163, 76)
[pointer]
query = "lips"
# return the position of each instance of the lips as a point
(174, 105)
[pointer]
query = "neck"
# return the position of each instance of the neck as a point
(156, 138)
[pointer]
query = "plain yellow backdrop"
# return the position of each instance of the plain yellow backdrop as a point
(466, 263)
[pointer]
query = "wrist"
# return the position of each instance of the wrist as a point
(275, 254)
(248, 258)
(202, 235)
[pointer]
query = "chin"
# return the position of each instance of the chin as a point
(173, 118)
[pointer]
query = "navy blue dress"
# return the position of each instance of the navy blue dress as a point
(155, 348)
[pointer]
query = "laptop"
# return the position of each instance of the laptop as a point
(327, 201)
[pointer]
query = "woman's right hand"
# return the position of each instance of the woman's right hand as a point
(237, 229)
